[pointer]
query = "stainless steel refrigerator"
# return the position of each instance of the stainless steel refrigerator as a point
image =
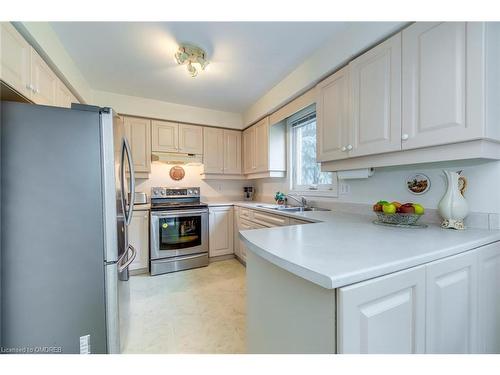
(64, 218)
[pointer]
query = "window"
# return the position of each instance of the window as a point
(306, 172)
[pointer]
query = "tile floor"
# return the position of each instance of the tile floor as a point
(194, 311)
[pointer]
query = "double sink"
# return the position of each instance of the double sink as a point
(288, 208)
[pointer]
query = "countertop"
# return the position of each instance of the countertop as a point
(342, 249)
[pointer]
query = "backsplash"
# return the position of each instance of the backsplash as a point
(389, 184)
(210, 189)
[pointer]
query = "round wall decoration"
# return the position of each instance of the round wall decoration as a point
(177, 173)
(418, 183)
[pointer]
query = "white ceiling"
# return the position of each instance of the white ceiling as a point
(246, 58)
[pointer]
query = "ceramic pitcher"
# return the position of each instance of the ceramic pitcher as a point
(453, 207)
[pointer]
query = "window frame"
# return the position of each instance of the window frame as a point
(321, 190)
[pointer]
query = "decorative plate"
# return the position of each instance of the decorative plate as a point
(418, 183)
(177, 173)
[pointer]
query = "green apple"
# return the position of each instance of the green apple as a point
(382, 202)
(419, 209)
(389, 208)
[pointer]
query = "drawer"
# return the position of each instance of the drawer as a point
(245, 224)
(246, 213)
(267, 220)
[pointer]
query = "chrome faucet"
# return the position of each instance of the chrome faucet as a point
(302, 201)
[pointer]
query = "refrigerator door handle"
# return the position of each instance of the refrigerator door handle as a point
(126, 150)
(122, 267)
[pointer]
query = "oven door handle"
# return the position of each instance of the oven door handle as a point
(178, 213)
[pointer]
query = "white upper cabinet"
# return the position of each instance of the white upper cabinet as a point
(383, 315)
(169, 136)
(333, 116)
(375, 87)
(232, 152)
(213, 156)
(222, 151)
(164, 136)
(489, 299)
(451, 322)
(64, 97)
(262, 145)
(249, 150)
(264, 149)
(15, 56)
(44, 81)
(25, 71)
(441, 67)
(191, 139)
(138, 133)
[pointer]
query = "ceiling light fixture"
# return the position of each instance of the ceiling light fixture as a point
(192, 56)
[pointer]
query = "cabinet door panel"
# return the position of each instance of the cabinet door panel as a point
(15, 56)
(436, 75)
(376, 99)
(64, 97)
(489, 299)
(139, 238)
(221, 231)
(191, 139)
(261, 153)
(249, 150)
(165, 136)
(332, 116)
(213, 155)
(452, 304)
(383, 315)
(138, 133)
(232, 152)
(43, 80)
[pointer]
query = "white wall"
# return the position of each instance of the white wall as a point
(340, 49)
(483, 192)
(210, 190)
(137, 106)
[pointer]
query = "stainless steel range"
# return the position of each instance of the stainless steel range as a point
(179, 230)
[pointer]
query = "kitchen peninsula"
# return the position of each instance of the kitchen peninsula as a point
(347, 286)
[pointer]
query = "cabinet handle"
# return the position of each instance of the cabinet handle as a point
(343, 149)
(349, 147)
(405, 137)
(37, 91)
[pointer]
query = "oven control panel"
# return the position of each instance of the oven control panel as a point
(165, 192)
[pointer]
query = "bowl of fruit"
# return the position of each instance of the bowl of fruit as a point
(395, 213)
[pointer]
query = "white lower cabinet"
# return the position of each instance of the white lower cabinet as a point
(451, 305)
(221, 231)
(451, 318)
(489, 299)
(138, 235)
(383, 315)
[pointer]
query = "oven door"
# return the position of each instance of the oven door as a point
(176, 233)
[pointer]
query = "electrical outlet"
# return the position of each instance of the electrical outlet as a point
(344, 188)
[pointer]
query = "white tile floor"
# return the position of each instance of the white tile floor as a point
(194, 311)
